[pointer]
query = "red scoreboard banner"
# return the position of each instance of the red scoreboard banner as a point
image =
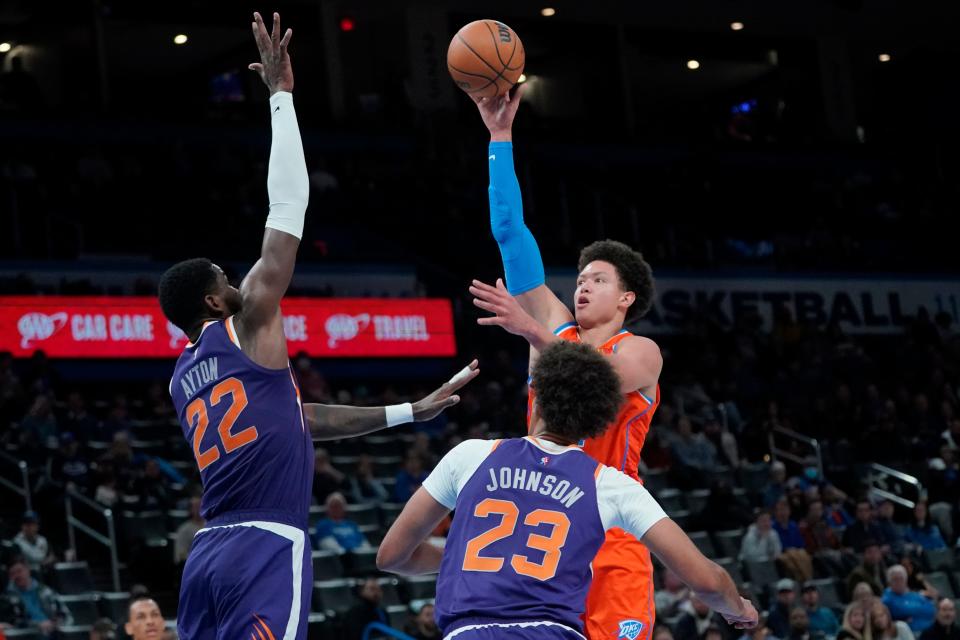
(134, 327)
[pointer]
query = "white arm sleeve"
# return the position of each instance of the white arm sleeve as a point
(625, 503)
(452, 472)
(288, 185)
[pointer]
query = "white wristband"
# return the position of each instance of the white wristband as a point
(399, 414)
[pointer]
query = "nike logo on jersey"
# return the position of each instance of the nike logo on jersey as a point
(277, 109)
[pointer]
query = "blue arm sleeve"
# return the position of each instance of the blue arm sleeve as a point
(522, 264)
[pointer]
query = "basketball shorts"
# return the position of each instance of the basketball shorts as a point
(620, 602)
(520, 630)
(247, 579)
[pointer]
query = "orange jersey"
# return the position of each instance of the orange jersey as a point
(620, 445)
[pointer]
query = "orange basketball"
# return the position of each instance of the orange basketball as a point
(485, 58)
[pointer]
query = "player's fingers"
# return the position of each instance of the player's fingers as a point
(488, 322)
(486, 306)
(521, 89)
(460, 382)
(484, 286)
(449, 402)
(286, 39)
(255, 66)
(275, 31)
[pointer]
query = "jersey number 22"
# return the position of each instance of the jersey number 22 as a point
(197, 410)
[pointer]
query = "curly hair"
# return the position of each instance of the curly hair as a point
(578, 391)
(182, 290)
(633, 272)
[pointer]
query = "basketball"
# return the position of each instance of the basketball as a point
(485, 58)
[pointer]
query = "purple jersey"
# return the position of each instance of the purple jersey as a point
(526, 523)
(245, 425)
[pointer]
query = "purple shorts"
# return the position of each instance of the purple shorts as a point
(521, 630)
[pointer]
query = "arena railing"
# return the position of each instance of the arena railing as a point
(897, 487)
(789, 437)
(109, 540)
(18, 467)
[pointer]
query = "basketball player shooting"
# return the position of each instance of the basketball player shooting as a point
(249, 572)
(614, 286)
(531, 514)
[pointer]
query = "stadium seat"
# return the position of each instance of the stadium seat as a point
(754, 477)
(697, 499)
(391, 591)
(671, 500)
(149, 527)
(326, 565)
(728, 542)
(332, 597)
(397, 615)
(363, 514)
(655, 481)
(72, 577)
(762, 573)
(387, 465)
(318, 627)
(721, 474)
(383, 446)
(113, 605)
(829, 593)
(731, 566)
(419, 587)
(703, 542)
(149, 447)
(176, 517)
(74, 632)
(83, 607)
(23, 634)
(361, 562)
(939, 559)
(345, 464)
(940, 581)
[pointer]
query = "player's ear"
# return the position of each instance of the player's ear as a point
(128, 628)
(216, 304)
(627, 298)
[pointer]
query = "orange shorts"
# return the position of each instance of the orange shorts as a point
(620, 601)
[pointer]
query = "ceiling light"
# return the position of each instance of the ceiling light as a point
(522, 78)
(5, 46)
(736, 26)
(693, 64)
(884, 57)
(546, 12)
(180, 38)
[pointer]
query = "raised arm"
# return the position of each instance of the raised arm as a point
(522, 264)
(259, 323)
(405, 549)
(332, 422)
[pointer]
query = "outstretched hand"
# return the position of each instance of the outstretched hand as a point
(507, 311)
(274, 66)
(747, 620)
(498, 113)
(431, 406)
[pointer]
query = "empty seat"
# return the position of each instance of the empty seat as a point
(83, 607)
(149, 527)
(318, 626)
(682, 517)
(671, 500)
(326, 565)
(333, 596)
(703, 542)
(720, 474)
(420, 587)
(317, 513)
(23, 634)
(363, 514)
(941, 582)
(939, 559)
(728, 542)
(345, 464)
(113, 605)
(361, 561)
(697, 499)
(72, 577)
(762, 573)
(383, 446)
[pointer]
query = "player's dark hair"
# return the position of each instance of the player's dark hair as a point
(633, 271)
(135, 599)
(182, 290)
(578, 392)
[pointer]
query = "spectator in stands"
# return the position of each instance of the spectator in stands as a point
(778, 618)
(943, 479)
(37, 605)
(695, 621)
(911, 607)
(916, 581)
(863, 595)
(144, 619)
(761, 543)
(335, 532)
(817, 534)
(38, 430)
(366, 610)
(834, 511)
(77, 420)
(871, 570)
(693, 453)
(153, 488)
(364, 487)
(945, 626)
(821, 619)
(922, 532)
(672, 597)
(800, 626)
(69, 467)
(884, 627)
(106, 492)
(890, 534)
(863, 529)
(34, 547)
(423, 626)
(327, 479)
(794, 557)
(777, 487)
(183, 538)
(103, 629)
(409, 479)
(856, 623)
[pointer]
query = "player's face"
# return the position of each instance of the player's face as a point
(599, 296)
(229, 296)
(145, 621)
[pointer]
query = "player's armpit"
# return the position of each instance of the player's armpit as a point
(405, 549)
(638, 362)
